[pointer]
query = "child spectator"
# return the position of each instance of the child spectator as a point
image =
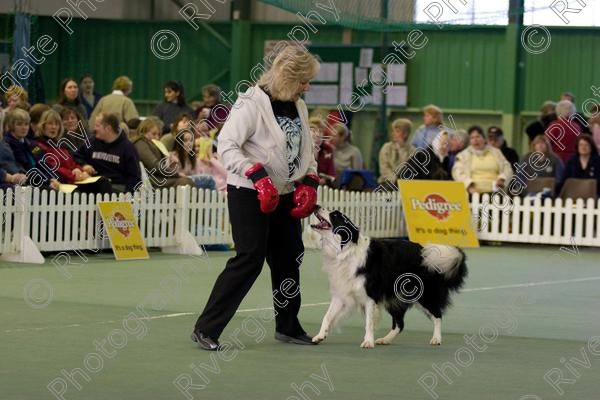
(199, 164)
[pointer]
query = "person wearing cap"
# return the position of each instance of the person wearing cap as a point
(495, 138)
(272, 181)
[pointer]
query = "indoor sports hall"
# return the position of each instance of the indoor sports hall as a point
(220, 199)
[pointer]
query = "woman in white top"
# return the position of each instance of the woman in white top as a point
(272, 179)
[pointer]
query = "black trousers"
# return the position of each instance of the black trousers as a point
(276, 237)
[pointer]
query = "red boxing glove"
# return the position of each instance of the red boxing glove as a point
(267, 192)
(305, 197)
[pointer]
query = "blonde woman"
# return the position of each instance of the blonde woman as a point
(156, 159)
(49, 133)
(118, 102)
(395, 152)
(266, 147)
(16, 96)
(432, 119)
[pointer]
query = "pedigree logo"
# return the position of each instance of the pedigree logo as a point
(119, 222)
(436, 205)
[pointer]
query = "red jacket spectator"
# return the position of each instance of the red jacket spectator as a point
(562, 136)
(61, 156)
(325, 163)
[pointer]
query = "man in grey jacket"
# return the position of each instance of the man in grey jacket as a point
(271, 184)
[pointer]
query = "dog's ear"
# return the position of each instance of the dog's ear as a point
(348, 233)
(345, 228)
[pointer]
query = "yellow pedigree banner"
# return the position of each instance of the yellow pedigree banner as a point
(437, 212)
(123, 231)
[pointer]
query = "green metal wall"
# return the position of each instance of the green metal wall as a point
(458, 69)
(111, 48)
(572, 63)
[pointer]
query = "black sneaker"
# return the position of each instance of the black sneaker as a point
(205, 341)
(298, 339)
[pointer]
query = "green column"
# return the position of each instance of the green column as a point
(513, 88)
(241, 43)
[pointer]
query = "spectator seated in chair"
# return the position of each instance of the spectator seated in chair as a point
(111, 155)
(199, 164)
(480, 167)
(537, 167)
(395, 152)
(324, 152)
(431, 163)
(346, 155)
(154, 156)
(496, 138)
(59, 155)
(182, 122)
(562, 133)
(585, 164)
(11, 173)
(28, 155)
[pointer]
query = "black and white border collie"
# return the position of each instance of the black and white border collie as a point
(368, 273)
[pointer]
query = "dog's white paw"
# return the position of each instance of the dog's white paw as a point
(319, 338)
(367, 344)
(383, 341)
(436, 341)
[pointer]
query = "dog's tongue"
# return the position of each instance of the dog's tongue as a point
(321, 225)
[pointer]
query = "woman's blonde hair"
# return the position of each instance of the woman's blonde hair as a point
(435, 112)
(291, 67)
(341, 130)
(402, 124)
(122, 83)
(147, 124)
(14, 116)
(317, 122)
(541, 139)
(50, 115)
(16, 91)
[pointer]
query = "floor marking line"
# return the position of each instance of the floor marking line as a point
(174, 315)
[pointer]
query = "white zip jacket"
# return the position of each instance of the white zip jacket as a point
(251, 134)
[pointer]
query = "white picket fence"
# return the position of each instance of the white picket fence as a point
(177, 220)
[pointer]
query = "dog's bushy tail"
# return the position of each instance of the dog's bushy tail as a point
(448, 261)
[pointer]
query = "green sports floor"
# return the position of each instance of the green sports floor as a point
(524, 310)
